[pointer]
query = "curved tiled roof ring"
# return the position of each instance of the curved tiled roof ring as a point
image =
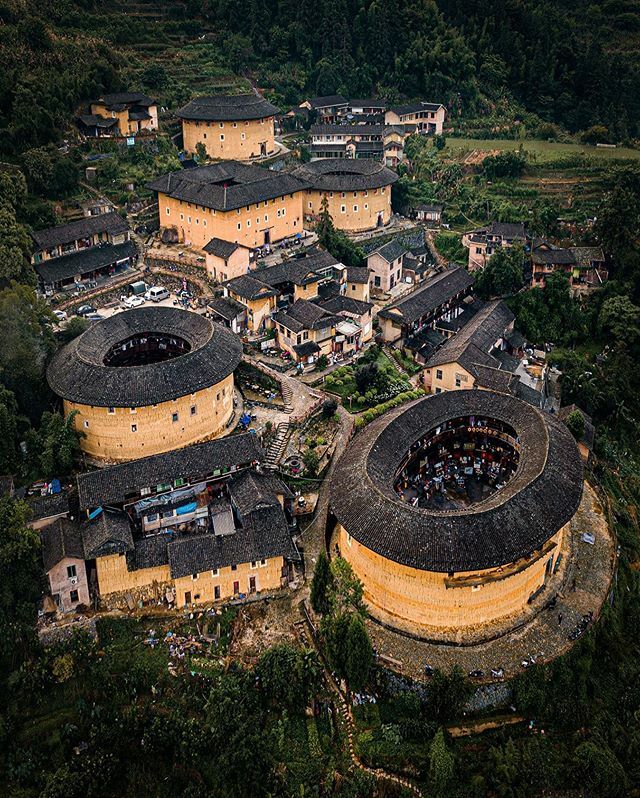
(78, 373)
(346, 174)
(517, 520)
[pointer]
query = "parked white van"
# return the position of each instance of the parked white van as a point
(157, 293)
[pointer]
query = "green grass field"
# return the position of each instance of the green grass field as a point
(542, 151)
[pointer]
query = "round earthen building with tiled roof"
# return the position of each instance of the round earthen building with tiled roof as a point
(452, 511)
(147, 381)
(357, 191)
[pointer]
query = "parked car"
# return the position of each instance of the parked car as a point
(85, 310)
(157, 293)
(60, 315)
(133, 301)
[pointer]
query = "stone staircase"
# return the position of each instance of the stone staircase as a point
(279, 444)
(287, 396)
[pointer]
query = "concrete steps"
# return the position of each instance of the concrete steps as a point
(287, 396)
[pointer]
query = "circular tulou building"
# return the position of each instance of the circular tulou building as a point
(230, 126)
(146, 381)
(452, 512)
(358, 191)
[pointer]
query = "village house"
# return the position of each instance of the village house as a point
(307, 331)
(64, 564)
(484, 354)
(427, 117)
(326, 109)
(443, 297)
(358, 283)
(385, 265)
(197, 525)
(482, 243)
(226, 259)
(258, 298)
(405, 257)
(354, 311)
(378, 141)
(585, 266)
(431, 215)
(230, 312)
(238, 127)
(357, 192)
(83, 251)
(235, 202)
(120, 114)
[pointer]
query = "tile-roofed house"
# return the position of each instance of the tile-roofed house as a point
(60, 539)
(427, 117)
(585, 266)
(342, 304)
(479, 342)
(229, 312)
(45, 509)
(221, 249)
(264, 534)
(484, 242)
(249, 286)
(441, 296)
(63, 558)
(307, 325)
(250, 491)
(392, 250)
(357, 274)
(82, 264)
(115, 485)
(91, 247)
(108, 223)
(123, 113)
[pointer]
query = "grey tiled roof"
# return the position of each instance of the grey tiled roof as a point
(345, 174)
(114, 484)
(48, 506)
(391, 251)
(507, 229)
(111, 223)
(109, 533)
(251, 491)
(475, 340)
(346, 304)
(94, 120)
(149, 552)
(126, 98)
(304, 315)
(538, 500)
(306, 349)
(248, 287)
(227, 185)
(221, 108)
(357, 274)
(84, 262)
(226, 307)
(347, 130)
(77, 371)
(61, 539)
(296, 270)
(264, 534)
(220, 248)
(435, 292)
(412, 108)
(328, 101)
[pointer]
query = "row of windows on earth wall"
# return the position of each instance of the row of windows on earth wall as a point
(221, 124)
